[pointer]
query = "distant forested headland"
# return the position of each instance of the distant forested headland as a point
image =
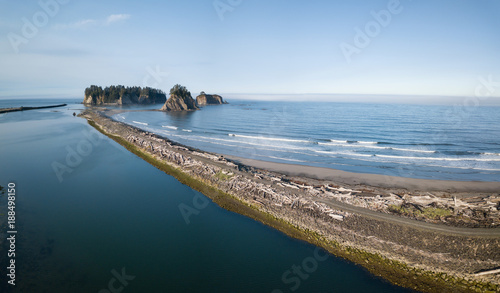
(121, 95)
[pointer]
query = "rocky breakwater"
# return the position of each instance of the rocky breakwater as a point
(180, 100)
(408, 252)
(7, 110)
(206, 99)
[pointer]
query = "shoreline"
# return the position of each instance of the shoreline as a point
(375, 180)
(351, 177)
(405, 255)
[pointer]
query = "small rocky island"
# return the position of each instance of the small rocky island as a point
(206, 99)
(180, 100)
(120, 95)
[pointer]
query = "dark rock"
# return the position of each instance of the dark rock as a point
(205, 99)
(179, 103)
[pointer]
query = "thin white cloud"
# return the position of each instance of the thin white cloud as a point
(81, 24)
(117, 17)
(86, 23)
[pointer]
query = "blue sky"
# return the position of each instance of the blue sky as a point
(437, 48)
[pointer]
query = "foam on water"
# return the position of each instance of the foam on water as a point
(411, 150)
(268, 138)
(344, 154)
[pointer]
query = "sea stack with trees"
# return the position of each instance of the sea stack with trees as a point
(180, 100)
(121, 95)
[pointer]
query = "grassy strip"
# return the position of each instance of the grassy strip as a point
(393, 271)
(428, 212)
(222, 176)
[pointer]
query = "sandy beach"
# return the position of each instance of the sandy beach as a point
(373, 180)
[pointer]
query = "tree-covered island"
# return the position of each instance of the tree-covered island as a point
(121, 95)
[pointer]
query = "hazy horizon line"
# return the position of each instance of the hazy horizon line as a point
(326, 97)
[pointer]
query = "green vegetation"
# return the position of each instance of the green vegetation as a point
(113, 93)
(400, 210)
(434, 213)
(180, 91)
(429, 212)
(222, 176)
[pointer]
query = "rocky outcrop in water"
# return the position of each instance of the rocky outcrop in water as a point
(178, 103)
(120, 95)
(205, 99)
(180, 100)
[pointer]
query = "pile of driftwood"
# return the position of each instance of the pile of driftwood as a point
(277, 190)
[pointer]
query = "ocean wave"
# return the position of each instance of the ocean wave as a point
(288, 147)
(350, 145)
(273, 149)
(353, 141)
(187, 130)
(220, 141)
(141, 123)
(338, 141)
(491, 154)
(463, 167)
(487, 169)
(285, 159)
(345, 154)
(170, 127)
(411, 150)
(436, 158)
(268, 138)
(416, 144)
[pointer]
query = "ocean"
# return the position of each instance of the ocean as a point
(111, 222)
(416, 141)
